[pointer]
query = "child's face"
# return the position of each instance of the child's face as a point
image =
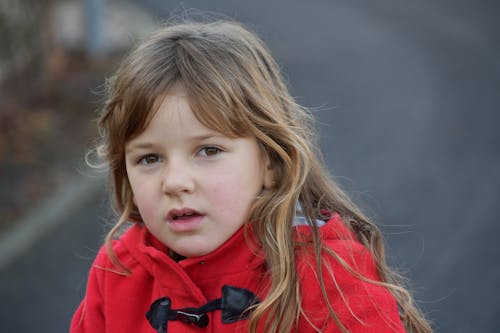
(192, 185)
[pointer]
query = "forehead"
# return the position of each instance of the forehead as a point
(174, 115)
(201, 108)
(174, 105)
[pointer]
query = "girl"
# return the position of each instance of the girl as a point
(236, 225)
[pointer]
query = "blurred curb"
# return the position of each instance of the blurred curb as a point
(45, 217)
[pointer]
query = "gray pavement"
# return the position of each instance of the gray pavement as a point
(41, 289)
(407, 97)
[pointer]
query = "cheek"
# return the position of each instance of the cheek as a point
(144, 198)
(233, 196)
(219, 190)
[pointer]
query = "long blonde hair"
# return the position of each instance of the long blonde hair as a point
(235, 87)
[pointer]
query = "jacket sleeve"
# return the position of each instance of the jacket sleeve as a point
(360, 306)
(89, 317)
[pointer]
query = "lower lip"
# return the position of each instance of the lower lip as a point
(186, 224)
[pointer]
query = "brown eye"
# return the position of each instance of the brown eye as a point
(149, 159)
(209, 151)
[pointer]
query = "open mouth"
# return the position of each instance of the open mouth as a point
(184, 217)
(182, 214)
(184, 220)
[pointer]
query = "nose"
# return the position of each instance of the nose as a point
(177, 177)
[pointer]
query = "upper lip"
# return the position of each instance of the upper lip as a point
(174, 213)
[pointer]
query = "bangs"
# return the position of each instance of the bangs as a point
(213, 85)
(228, 84)
(138, 96)
(226, 118)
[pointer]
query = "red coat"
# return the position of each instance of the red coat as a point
(116, 303)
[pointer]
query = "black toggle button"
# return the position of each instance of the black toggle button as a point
(199, 319)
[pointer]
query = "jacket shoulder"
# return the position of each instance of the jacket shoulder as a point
(103, 262)
(351, 283)
(106, 283)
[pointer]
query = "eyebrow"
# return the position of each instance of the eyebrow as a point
(204, 136)
(140, 145)
(194, 138)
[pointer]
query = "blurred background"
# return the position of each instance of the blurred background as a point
(406, 94)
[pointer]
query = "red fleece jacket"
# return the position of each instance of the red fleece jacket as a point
(116, 303)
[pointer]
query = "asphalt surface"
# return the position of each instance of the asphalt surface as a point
(406, 95)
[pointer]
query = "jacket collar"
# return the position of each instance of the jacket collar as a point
(239, 253)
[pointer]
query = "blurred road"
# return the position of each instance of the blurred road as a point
(407, 97)
(41, 289)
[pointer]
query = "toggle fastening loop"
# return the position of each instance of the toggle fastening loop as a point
(234, 303)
